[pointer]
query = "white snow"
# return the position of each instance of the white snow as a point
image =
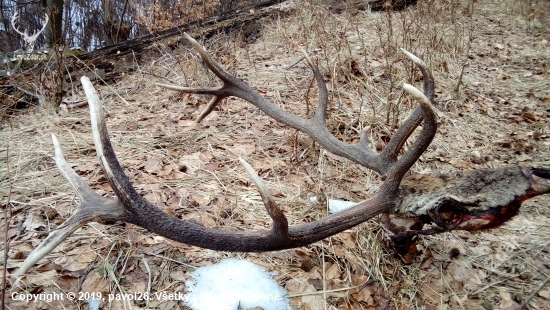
(336, 205)
(232, 283)
(93, 304)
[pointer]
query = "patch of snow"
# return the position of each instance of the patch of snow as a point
(336, 205)
(234, 283)
(93, 304)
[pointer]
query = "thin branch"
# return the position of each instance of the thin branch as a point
(6, 230)
(535, 292)
(121, 19)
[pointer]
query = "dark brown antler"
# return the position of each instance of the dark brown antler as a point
(316, 127)
(140, 212)
(132, 208)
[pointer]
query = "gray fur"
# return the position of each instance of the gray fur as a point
(476, 190)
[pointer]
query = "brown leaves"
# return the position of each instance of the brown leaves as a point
(77, 259)
(152, 165)
(301, 286)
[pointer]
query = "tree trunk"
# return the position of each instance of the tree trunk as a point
(54, 31)
(107, 23)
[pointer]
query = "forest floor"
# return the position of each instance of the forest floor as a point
(499, 115)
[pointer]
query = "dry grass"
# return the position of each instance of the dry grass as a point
(492, 119)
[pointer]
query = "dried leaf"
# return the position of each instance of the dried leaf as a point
(545, 294)
(332, 271)
(47, 278)
(365, 295)
(317, 283)
(152, 165)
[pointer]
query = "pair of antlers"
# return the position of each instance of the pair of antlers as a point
(130, 207)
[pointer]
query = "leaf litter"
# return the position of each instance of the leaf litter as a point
(499, 116)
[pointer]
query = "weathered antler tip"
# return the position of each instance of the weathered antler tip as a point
(260, 184)
(417, 94)
(171, 87)
(195, 44)
(413, 57)
(54, 140)
(306, 56)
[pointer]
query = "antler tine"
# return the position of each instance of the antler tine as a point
(429, 84)
(320, 113)
(396, 173)
(392, 149)
(13, 19)
(219, 93)
(90, 207)
(280, 223)
(47, 19)
(420, 145)
(118, 181)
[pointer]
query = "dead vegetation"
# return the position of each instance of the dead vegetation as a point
(490, 61)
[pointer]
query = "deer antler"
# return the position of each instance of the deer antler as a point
(29, 40)
(316, 127)
(130, 207)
